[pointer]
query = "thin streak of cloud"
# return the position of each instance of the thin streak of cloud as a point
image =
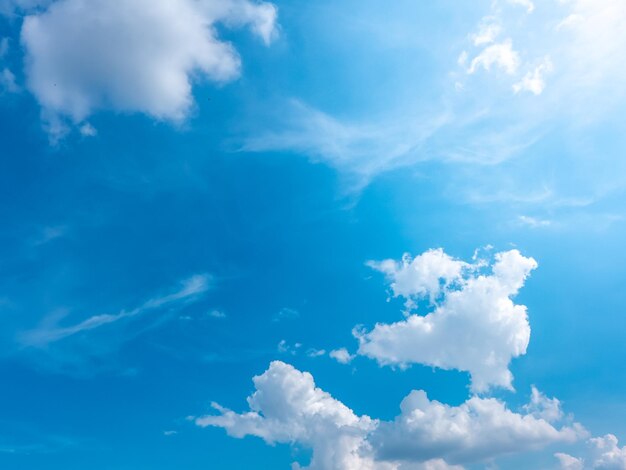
(46, 334)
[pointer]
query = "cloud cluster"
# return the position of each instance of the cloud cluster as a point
(287, 407)
(475, 326)
(133, 56)
(478, 430)
(604, 453)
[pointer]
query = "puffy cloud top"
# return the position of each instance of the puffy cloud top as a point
(604, 453)
(477, 430)
(475, 327)
(135, 55)
(287, 407)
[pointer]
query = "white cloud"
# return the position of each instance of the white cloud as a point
(287, 407)
(603, 453)
(7, 77)
(475, 327)
(88, 130)
(285, 348)
(133, 56)
(487, 32)
(535, 81)
(528, 4)
(501, 55)
(534, 222)
(7, 81)
(217, 314)
(567, 462)
(312, 352)
(426, 275)
(341, 355)
(542, 407)
(591, 53)
(46, 333)
(569, 21)
(285, 313)
(477, 430)
(361, 149)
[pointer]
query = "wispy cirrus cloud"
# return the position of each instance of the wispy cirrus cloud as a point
(528, 72)
(190, 289)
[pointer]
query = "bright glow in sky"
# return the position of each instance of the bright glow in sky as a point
(356, 235)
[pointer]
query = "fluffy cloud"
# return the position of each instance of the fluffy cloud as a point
(475, 327)
(133, 56)
(501, 55)
(287, 407)
(341, 355)
(534, 81)
(477, 430)
(426, 275)
(604, 453)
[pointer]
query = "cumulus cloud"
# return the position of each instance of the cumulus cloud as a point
(477, 430)
(567, 462)
(426, 275)
(133, 56)
(341, 355)
(603, 453)
(475, 327)
(287, 407)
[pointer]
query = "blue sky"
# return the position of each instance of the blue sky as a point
(396, 230)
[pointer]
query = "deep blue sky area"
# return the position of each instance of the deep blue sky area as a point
(190, 191)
